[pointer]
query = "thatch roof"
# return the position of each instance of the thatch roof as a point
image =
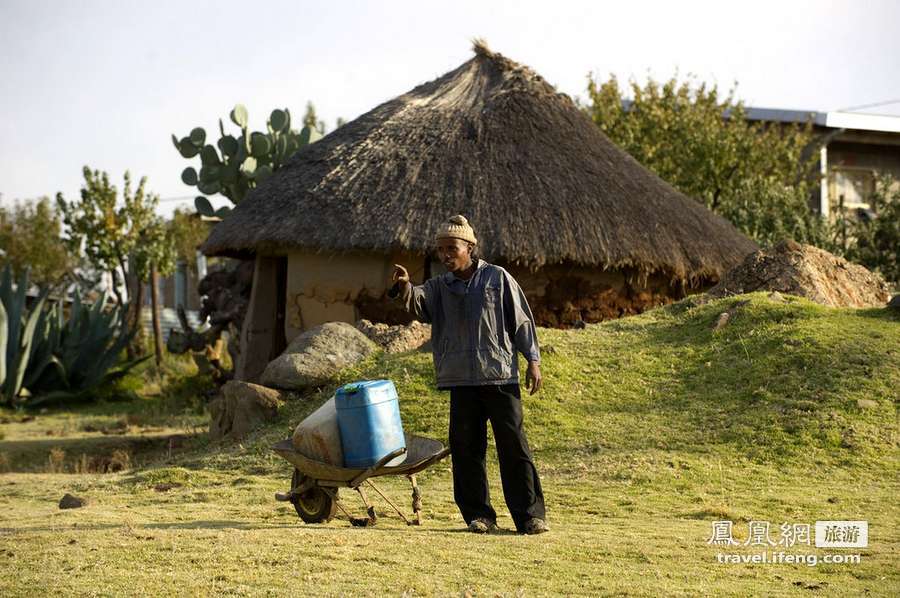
(492, 140)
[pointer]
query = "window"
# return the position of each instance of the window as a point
(851, 186)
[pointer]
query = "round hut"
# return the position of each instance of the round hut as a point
(589, 233)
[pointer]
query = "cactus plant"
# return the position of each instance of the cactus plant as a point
(234, 165)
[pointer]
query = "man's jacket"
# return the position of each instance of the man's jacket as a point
(477, 326)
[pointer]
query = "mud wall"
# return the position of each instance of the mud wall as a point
(561, 295)
(346, 287)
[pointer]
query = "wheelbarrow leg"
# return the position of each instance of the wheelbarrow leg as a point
(355, 521)
(388, 501)
(370, 509)
(416, 500)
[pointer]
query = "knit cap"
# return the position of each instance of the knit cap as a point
(457, 228)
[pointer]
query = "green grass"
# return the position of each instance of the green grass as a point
(137, 415)
(648, 429)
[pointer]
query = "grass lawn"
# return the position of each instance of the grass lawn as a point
(648, 430)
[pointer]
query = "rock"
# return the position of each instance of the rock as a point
(396, 339)
(317, 355)
(805, 271)
(728, 314)
(219, 424)
(242, 408)
(866, 403)
(894, 303)
(722, 320)
(69, 501)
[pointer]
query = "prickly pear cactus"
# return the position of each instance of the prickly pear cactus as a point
(234, 165)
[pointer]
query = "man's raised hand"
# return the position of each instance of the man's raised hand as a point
(400, 274)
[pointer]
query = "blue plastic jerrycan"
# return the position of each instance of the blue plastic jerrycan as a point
(368, 415)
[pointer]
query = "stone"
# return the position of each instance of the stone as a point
(722, 320)
(396, 339)
(894, 303)
(317, 355)
(219, 425)
(866, 403)
(69, 501)
(242, 408)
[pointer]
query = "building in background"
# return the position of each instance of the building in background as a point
(858, 148)
(179, 288)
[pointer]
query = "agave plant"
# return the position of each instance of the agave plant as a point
(17, 328)
(55, 358)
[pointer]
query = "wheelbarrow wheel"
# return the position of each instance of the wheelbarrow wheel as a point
(314, 505)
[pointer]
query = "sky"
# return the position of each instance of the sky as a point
(106, 83)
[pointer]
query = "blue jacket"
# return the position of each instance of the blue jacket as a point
(478, 326)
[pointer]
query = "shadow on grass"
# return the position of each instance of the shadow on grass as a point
(218, 524)
(74, 455)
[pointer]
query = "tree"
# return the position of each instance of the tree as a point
(758, 175)
(126, 239)
(873, 239)
(188, 232)
(30, 237)
(770, 211)
(311, 120)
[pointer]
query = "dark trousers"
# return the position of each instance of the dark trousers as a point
(470, 409)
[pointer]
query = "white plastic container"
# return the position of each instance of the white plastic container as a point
(319, 437)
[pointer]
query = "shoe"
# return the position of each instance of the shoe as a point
(483, 526)
(535, 526)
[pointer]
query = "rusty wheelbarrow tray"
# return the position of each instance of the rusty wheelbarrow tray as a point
(314, 484)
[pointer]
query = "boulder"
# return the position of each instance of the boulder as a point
(317, 355)
(69, 501)
(241, 408)
(396, 339)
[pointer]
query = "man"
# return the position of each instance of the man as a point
(479, 320)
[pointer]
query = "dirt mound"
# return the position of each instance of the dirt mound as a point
(396, 339)
(808, 272)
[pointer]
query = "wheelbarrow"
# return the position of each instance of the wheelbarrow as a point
(315, 484)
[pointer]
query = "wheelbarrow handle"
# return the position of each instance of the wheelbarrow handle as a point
(378, 465)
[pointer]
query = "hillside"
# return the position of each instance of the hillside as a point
(647, 429)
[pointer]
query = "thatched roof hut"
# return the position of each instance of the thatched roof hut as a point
(588, 232)
(492, 140)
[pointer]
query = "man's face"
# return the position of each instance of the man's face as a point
(455, 254)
